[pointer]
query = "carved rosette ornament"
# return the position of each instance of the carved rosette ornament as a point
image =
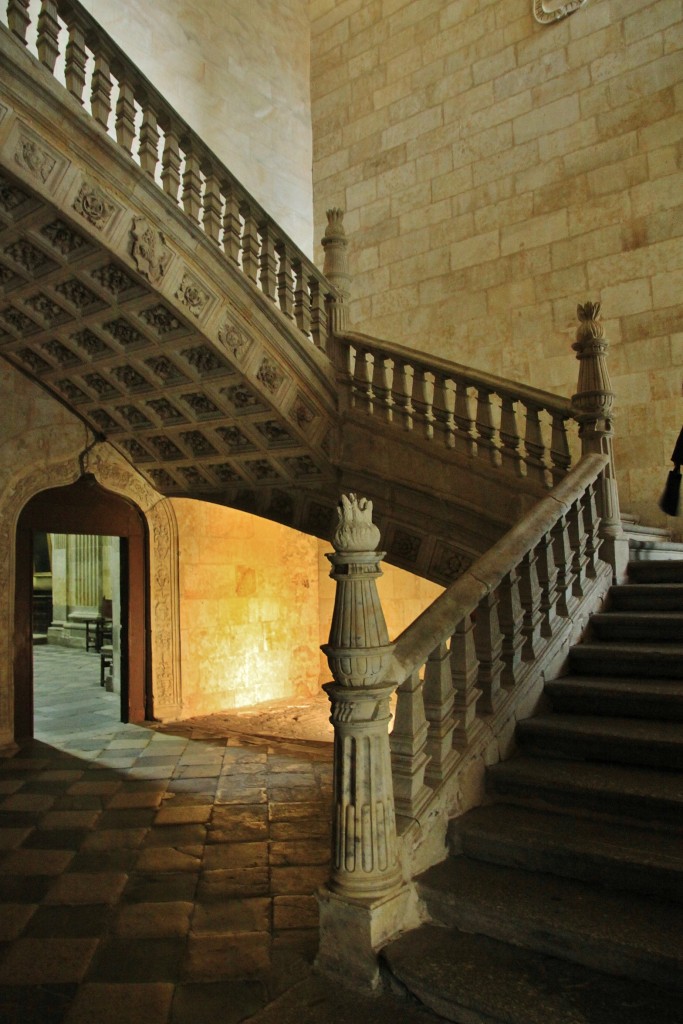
(364, 857)
(192, 296)
(92, 204)
(34, 159)
(149, 250)
(547, 16)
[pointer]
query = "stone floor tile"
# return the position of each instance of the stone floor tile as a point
(9, 786)
(300, 851)
(235, 822)
(122, 1004)
(35, 1004)
(239, 882)
(213, 957)
(295, 912)
(307, 828)
(285, 810)
(297, 880)
(292, 793)
(11, 838)
(24, 888)
(81, 887)
(55, 839)
(136, 817)
(13, 919)
(235, 855)
(142, 798)
(232, 915)
(36, 862)
(153, 920)
(69, 922)
(99, 787)
(220, 1002)
(171, 887)
(43, 961)
(138, 960)
(114, 839)
(158, 859)
(175, 835)
(244, 768)
(171, 814)
(97, 861)
(23, 801)
(232, 790)
(69, 819)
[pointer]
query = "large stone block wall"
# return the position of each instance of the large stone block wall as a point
(238, 73)
(494, 172)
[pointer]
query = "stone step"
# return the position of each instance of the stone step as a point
(642, 796)
(624, 698)
(620, 933)
(651, 627)
(618, 856)
(651, 548)
(656, 571)
(647, 597)
(592, 738)
(473, 979)
(650, 661)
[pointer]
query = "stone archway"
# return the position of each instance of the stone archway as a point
(115, 474)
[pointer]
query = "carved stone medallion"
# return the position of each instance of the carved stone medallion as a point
(92, 204)
(149, 250)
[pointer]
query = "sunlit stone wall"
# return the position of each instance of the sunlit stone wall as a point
(238, 73)
(495, 172)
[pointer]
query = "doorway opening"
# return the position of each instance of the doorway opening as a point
(82, 565)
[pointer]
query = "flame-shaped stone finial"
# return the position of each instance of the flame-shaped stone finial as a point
(356, 530)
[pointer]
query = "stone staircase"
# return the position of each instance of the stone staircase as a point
(560, 902)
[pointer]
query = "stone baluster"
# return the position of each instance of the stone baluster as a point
(401, 391)
(125, 111)
(48, 34)
(148, 151)
(302, 298)
(592, 528)
(464, 673)
(336, 270)
(408, 749)
(365, 861)
(484, 424)
(464, 436)
(488, 641)
(318, 313)
(421, 401)
(362, 385)
(232, 225)
(510, 437)
(533, 444)
(170, 163)
(75, 57)
(212, 219)
(442, 407)
(547, 579)
(559, 448)
(250, 243)
(438, 703)
(592, 407)
(18, 18)
(192, 182)
(100, 86)
(530, 597)
(578, 540)
(511, 617)
(563, 562)
(267, 260)
(285, 279)
(381, 390)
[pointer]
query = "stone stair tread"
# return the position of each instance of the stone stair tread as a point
(656, 570)
(618, 932)
(618, 684)
(646, 592)
(590, 777)
(472, 978)
(651, 731)
(643, 650)
(591, 838)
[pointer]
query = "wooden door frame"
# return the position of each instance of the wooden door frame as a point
(85, 507)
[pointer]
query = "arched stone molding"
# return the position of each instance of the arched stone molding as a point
(548, 15)
(114, 473)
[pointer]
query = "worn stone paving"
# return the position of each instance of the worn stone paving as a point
(164, 875)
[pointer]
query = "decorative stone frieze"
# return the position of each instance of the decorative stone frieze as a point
(149, 250)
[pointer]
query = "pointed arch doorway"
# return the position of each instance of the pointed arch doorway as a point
(85, 507)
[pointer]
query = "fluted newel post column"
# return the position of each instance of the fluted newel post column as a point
(592, 407)
(336, 270)
(363, 900)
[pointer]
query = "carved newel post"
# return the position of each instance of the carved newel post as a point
(336, 270)
(592, 407)
(363, 902)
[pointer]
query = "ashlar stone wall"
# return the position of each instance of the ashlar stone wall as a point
(495, 171)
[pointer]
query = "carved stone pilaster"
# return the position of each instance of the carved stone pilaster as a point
(336, 270)
(365, 863)
(592, 408)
